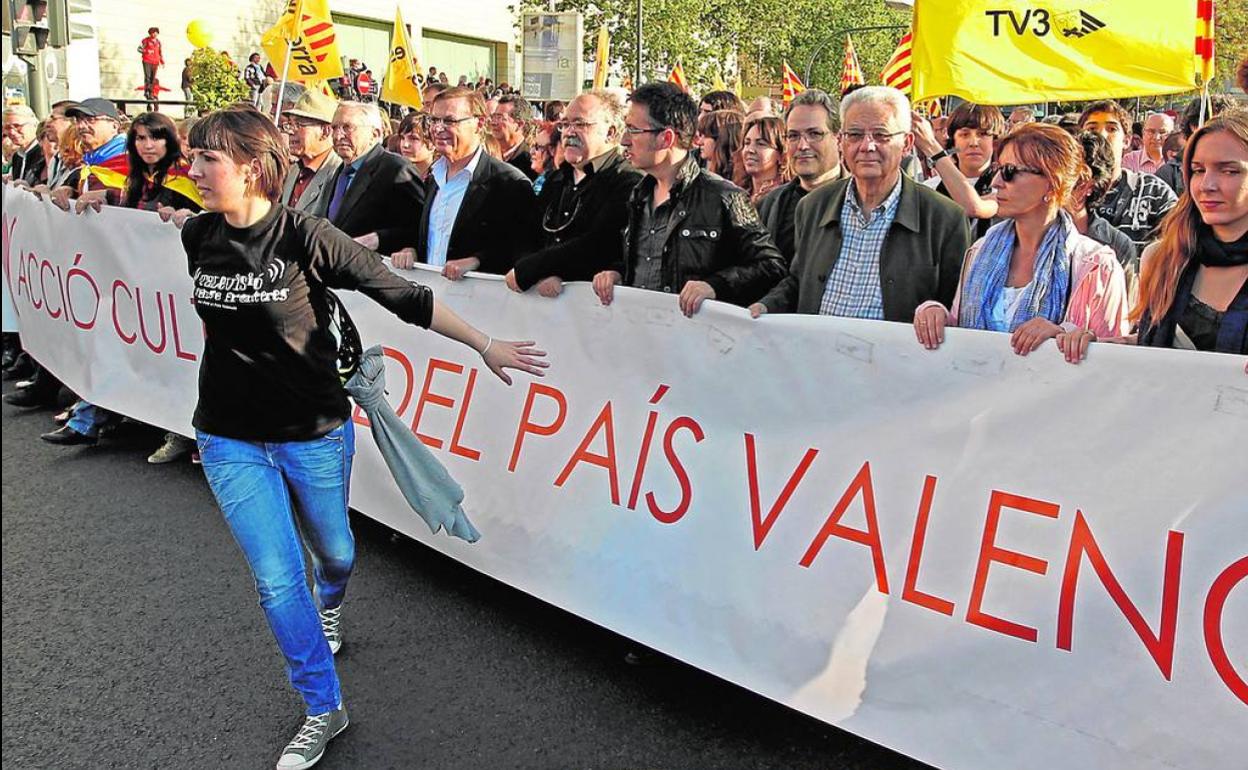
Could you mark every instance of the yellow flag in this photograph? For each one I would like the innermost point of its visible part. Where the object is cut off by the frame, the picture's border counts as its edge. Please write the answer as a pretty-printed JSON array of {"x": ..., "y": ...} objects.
[
  {"x": 718, "y": 83},
  {"x": 602, "y": 58},
  {"x": 989, "y": 52},
  {"x": 400, "y": 86},
  {"x": 307, "y": 28}
]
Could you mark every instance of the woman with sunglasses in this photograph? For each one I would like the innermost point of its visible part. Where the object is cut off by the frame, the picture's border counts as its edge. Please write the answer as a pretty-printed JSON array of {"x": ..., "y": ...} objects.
[
  {"x": 1034, "y": 275},
  {"x": 273, "y": 420}
]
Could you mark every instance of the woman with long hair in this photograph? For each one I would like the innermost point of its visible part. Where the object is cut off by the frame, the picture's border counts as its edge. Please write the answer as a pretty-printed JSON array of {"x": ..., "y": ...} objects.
[
  {"x": 763, "y": 156},
  {"x": 414, "y": 142},
  {"x": 273, "y": 420},
  {"x": 1194, "y": 278},
  {"x": 158, "y": 171},
  {"x": 719, "y": 138},
  {"x": 1034, "y": 275}
]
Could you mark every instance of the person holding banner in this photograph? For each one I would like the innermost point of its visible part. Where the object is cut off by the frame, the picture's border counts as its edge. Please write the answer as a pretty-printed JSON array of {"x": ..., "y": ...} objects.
[
  {"x": 1034, "y": 275},
  {"x": 273, "y": 420},
  {"x": 1194, "y": 278}
]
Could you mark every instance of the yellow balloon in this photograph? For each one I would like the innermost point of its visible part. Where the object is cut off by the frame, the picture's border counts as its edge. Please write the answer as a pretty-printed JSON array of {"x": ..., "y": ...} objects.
[{"x": 198, "y": 33}]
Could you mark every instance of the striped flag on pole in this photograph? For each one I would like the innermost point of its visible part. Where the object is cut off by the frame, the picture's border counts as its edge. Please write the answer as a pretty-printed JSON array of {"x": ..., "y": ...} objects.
[
  {"x": 1204, "y": 40},
  {"x": 678, "y": 77},
  {"x": 791, "y": 84},
  {"x": 897, "y": 72},
  {"x": 851, "y": 73}
]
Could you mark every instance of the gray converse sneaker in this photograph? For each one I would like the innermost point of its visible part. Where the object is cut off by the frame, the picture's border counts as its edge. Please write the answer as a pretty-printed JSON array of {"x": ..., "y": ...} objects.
[
  {"x": 308, "y": 745},
  {"x": 331, "y": 625},
  {"x": 175, "y": 448}
]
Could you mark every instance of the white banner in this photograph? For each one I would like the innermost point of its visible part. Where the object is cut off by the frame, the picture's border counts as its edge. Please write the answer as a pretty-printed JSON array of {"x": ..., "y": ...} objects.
[{"x": 978, "y": 559}]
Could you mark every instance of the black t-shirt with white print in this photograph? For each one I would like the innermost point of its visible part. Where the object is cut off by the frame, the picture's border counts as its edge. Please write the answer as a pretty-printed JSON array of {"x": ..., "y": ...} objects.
[{"x": 269, "y": 369}]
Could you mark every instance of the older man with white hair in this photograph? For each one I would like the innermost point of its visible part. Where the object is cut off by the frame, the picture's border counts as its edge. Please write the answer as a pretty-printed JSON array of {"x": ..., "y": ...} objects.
[
  {"x": 878, "y": 244},
  {"x": 583, "y": 207},
  {"x": 1150, "y": 158},
  {"x": 376, "y": 196},
  {"x": 19, "y": 128}
]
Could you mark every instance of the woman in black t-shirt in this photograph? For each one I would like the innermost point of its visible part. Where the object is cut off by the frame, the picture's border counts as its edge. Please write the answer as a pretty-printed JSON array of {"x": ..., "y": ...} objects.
[{"x": 272, "y": 420}]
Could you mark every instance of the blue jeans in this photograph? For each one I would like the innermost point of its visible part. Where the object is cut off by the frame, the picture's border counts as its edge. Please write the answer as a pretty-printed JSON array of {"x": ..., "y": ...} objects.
[
  {"x": 271, "y": 493},
  {"x": 87, "y": 418}
]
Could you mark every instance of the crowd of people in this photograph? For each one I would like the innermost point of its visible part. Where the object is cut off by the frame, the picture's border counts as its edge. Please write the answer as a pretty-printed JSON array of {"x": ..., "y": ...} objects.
[{"x": 855, "y": 206}]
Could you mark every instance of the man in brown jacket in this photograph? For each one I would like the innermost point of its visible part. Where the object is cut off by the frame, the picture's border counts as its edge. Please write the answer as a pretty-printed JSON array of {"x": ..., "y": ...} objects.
[{"x": 878, "y": 244}]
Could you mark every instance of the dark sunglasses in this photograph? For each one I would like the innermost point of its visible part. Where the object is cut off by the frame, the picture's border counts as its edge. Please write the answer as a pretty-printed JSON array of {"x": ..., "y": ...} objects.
[{"x": 1009, "y": 171}]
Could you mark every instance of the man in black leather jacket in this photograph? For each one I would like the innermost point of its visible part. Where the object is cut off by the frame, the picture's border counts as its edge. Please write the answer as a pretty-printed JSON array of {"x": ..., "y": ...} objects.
[{"x": 689, "y": 232}]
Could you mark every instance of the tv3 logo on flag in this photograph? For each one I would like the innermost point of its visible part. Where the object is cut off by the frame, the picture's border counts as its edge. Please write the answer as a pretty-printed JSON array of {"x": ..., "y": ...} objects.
[{"x": 1039, "y": 22}]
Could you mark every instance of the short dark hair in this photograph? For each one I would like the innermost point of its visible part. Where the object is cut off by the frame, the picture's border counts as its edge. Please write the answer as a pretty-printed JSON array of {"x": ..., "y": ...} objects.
[
  {"x": 669, "y": 107},
  {"x": 1099, "y": 157},
  {"x": 521, "y": 109},
  {"x": 1218, "y": 104},
  {"x": 254, "y": 57},
  {"x": 246, "y": 134},
  {"x": 553, "y": 109},
  {"x": 153, "y": 30},
  {"x": 984, "y": 117},
  {"x": 722, "y": 100},
  {"x": 1110, "y": 106},
  {"x": 813, "y": 97}
]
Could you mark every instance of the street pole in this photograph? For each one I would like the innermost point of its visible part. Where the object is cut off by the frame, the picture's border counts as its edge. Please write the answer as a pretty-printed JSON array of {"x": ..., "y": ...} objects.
[{"x": 637, "y": 68}]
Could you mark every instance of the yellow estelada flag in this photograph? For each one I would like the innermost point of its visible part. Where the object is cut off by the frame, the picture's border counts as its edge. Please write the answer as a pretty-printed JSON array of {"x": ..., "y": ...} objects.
[
  {"x": 602, "y": 59},
  {"x": 1067, "y": 50},
  {"x": 399, "y": 85},
  {"x": 307, "y": 28}
]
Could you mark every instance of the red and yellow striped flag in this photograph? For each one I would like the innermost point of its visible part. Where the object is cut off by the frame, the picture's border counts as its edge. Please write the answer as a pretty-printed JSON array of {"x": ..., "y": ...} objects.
[
  {"x": 678, "y": 77},
  {"x": 851, "y": 73},
  {"x": 1204, "y": 40},
  {"x": 791, "y": 86},
  {"x": 897, "y": 72}
]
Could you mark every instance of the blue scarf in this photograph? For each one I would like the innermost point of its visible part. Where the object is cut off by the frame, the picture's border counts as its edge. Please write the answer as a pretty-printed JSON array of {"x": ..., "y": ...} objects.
[
  {"x": 107, "y": 151},
  {"x": 1046, "y": 296}
]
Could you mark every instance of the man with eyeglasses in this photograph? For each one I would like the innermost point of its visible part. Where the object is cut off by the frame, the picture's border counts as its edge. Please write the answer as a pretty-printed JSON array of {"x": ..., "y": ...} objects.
[
  {"x": 509, "y": 125},
  {"x": 479, "y": 206},
  {"x": 689, "y": 232},
  {"x": 878, "y": 244},
  {"x": 310, "y": 138},
  {"x": 811, "y": 124},
  {"x": 583, "y": 206},
  {"x": 1135, "y": 202},
  {"x": 376, "y": 196},
  {"x": 1149, "y": 158},
  {"x": 105, "y": 162},
  {"x": 19, "y": 128}
]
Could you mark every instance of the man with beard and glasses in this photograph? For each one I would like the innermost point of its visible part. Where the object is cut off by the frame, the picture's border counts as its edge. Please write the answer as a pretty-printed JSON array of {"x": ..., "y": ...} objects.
[{"x": 583, "y": 206}]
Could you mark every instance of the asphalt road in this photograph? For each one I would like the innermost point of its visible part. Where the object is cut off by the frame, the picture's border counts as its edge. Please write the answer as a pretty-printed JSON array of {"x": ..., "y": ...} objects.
[{"x": 132, "y": 638}]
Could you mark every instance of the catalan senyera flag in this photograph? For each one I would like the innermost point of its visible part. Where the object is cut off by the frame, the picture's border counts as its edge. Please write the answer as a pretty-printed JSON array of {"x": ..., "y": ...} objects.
[
  {"x": 791, "y": 84},
  {"x": 1204, "y": 40},
  {"x": 678, "y": 77},
  {"x": 851, "y": 73},
  {"x": 308, "y": 29},
  {"x": 399, "y": 85},
  {"x": 1063, "y": 50},
  {"x": 896, "y": 73},
  {"x": 602, "y": 58}
]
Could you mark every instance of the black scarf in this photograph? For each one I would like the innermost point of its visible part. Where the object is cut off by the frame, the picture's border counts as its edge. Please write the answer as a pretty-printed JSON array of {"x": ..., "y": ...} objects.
[{"x": 1214, "y": 253}]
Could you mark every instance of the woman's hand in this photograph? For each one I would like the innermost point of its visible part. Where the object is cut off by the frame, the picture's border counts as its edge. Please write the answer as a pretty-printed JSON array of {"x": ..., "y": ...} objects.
[
  {"x": 500, "y": 354},
  {"x": 61, "y": 197},
  {"x": 1075, "y": 344},
  {"x": 929, "y": 325},
  {"x": 1030, "y": 335},
  {"x": 95, "y": 199},
  {"x": 177, "y": 216}
]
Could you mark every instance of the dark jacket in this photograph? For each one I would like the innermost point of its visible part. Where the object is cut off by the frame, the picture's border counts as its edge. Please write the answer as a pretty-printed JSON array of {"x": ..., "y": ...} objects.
[
  {"x": 491, "y": 221},
  {"x": 28, "y": 165},
  {"x": 921, "y": 258},
  {"x": 714, "y": 235},
  {"x": 386, "y": 196},
  {"x": 590, "y": 241},
  {"x": 522, "y": 161}
]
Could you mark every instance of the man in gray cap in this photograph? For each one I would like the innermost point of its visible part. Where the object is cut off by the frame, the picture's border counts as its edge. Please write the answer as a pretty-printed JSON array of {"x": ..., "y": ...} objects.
[{"x": 311, "y": 141}]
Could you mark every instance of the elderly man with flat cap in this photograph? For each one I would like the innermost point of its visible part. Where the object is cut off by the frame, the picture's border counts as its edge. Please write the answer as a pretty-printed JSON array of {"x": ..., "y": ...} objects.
[{"x": 310, "y": 136}]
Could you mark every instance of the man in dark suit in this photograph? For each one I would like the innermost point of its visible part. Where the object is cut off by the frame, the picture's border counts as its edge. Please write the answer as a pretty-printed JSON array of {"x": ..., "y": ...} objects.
[
  {"x": 376, "y": 196},
  {"x": 509, "y": 124},
  {"x": 479, "y": 206}
]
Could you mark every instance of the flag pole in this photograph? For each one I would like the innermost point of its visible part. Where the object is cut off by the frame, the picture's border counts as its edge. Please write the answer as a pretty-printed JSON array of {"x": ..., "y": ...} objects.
[{"x": 281, "y": 90}]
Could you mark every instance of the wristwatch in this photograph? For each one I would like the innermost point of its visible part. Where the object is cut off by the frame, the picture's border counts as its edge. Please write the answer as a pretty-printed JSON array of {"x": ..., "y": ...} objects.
[{"x": 936, "y": 156}]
